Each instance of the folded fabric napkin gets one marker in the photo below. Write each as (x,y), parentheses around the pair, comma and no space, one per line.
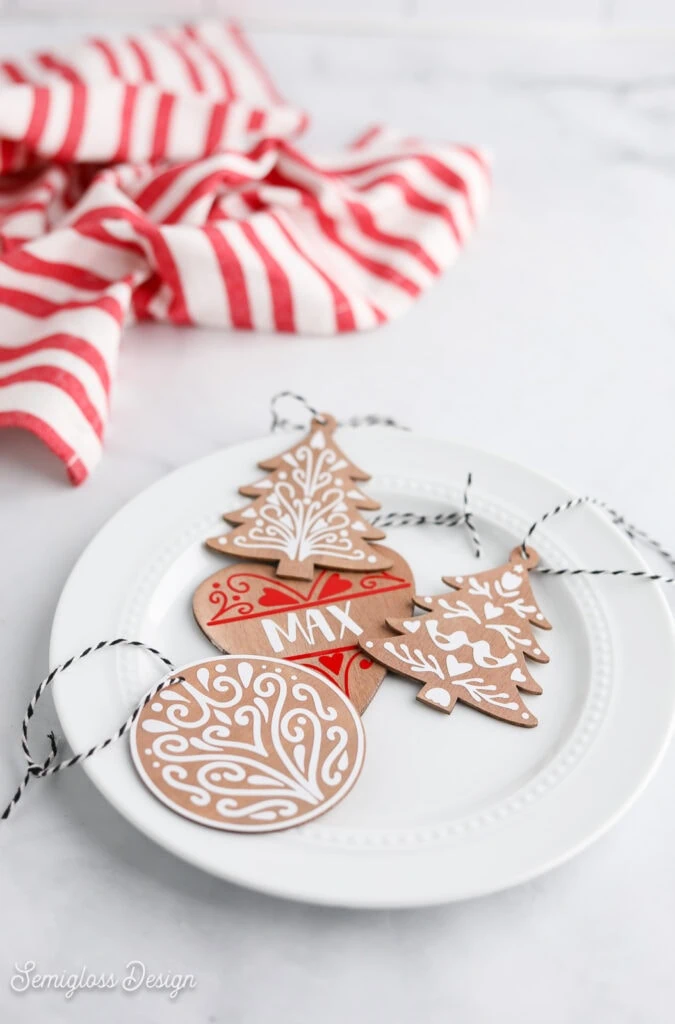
(154,177)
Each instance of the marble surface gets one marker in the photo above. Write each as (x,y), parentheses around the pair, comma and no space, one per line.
(550,342)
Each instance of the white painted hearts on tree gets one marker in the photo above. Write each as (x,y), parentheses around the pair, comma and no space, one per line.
(487,618)
(457,668)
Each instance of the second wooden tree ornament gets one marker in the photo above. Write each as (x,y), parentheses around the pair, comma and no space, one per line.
(473,642)
(307,512)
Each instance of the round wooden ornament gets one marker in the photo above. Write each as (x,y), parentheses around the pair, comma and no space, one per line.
(249,744)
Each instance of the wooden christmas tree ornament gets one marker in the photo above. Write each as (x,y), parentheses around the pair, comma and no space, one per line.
(307,512)
(473,642)
(246,608)
(249,744)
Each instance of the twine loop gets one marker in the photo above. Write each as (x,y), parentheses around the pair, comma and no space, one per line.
(40,769)
(281,423)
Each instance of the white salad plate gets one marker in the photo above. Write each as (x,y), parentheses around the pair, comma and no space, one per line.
(447,806)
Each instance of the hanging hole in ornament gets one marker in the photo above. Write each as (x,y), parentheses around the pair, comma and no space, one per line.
(324,419)
(525,556)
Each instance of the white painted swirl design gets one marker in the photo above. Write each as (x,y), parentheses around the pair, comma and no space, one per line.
(308,511)
(249,744)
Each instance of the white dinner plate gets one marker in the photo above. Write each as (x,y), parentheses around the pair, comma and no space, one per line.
(447,807)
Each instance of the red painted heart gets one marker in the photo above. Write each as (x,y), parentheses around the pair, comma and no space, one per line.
(333,662)
(272,598)
(335,584)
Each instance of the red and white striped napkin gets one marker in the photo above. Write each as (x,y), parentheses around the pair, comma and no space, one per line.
(155,177)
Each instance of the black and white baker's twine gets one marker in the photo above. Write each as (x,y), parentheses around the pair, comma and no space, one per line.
(39,770)
(389,520)
(280,423)
(394,519)
(631,531)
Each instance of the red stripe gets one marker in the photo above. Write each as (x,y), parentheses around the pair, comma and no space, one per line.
(372,165)
(8,154)
(8,243)
(282,299)
(77,471)
(252,200)
(108,54)
(37,176)
(222,70)
(303,123)
(233,278)
(344,315)
(13,72)
(366,137)
(377,268)
(50,63)
(163,256)
(7,212)
(256,120)
(217,122)
(416,200)
(229,178)
(162,122)
(449,177)
(365,220)
(368,227)
(432,164)
(38,116)
(476,155)
(97,231)
(144,295)
(67,343)
(252,58)
(78,108)
(260,148)
(158,185)
(126,123)
(78,277)
(37,306)
(143,60)
(74,188)
(64,380)
(190,67)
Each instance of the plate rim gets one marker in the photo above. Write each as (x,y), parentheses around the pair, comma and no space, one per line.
(400,899)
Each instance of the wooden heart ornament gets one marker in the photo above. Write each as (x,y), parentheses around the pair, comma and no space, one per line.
(249,744)
(247,608)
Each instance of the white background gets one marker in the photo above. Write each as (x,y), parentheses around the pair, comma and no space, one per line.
(386,15)
(551,342)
